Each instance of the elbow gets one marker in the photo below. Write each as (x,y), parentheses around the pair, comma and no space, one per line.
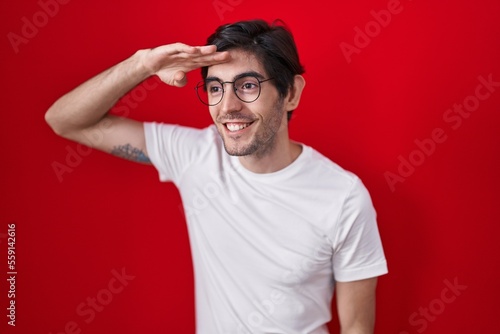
(55,122)
(51,120)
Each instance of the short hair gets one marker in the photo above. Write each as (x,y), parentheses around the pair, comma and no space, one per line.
(272,44)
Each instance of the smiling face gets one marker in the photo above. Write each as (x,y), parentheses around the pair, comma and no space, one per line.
(253,128)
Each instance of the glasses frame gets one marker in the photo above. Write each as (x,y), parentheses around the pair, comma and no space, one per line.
(202,85)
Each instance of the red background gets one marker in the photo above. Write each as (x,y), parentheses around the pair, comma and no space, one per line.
(439,227)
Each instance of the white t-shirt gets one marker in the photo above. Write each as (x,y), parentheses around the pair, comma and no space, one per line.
(266,247)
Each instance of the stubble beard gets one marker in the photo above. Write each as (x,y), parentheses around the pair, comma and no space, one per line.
(263,141)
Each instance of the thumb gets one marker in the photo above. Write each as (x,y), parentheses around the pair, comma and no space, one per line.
(180,79)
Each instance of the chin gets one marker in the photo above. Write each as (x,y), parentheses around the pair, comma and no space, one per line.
(240,151)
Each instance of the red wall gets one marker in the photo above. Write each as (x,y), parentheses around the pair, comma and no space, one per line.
(383,98)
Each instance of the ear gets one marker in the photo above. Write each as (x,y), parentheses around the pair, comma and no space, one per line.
(293,98)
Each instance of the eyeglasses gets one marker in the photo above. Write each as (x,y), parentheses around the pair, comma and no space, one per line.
(247,89)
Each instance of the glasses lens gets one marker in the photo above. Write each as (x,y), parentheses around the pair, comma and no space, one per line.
(209,92)
(247,88)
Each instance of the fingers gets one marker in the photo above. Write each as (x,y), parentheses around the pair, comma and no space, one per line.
(221,57)
(181,48)
(205,55)
(198,59)
(202,53)
(207,49)
(212,59)
(172,62)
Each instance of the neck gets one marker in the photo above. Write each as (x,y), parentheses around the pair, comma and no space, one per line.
(276,156)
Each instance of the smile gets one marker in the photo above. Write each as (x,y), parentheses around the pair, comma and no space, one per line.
(233,127)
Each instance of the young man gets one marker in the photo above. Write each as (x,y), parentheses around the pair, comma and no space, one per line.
(283,226)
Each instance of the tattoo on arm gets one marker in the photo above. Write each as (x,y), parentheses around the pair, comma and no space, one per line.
(131,153)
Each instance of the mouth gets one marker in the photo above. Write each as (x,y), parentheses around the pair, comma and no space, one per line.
(237,127)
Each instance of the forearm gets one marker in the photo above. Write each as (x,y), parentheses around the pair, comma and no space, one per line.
(88,103)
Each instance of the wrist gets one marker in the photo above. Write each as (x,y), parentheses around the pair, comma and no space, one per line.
(140,64)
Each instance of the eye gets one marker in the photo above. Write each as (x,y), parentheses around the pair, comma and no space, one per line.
(214,88)
(247,84)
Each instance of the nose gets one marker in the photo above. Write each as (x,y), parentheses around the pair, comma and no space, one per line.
(230,102)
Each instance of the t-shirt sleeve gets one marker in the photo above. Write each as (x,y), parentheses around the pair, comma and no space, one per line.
(173,148)
(357,247)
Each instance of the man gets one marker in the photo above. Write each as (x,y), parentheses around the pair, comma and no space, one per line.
(281,226)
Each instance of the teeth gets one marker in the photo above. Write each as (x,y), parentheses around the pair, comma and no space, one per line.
(236,126)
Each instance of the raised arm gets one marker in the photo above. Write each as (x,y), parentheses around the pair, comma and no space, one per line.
(82,114)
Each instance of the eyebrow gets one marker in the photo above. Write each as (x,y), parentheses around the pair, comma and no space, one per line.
(239,76)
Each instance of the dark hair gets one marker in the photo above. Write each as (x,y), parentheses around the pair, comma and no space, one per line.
(272,44)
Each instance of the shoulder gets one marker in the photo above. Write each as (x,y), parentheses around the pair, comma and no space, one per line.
(342,191)
(173,149)
(174,130)
(328,173)
(327,191)
(172,137)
